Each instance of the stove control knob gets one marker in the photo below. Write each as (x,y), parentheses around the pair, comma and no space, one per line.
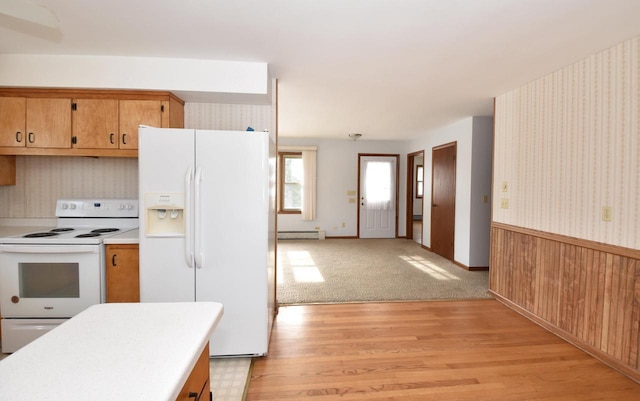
(121,206)
(129,206)
(72,206)
(65,206)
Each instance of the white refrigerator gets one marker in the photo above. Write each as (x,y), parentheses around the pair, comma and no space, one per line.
(207,228)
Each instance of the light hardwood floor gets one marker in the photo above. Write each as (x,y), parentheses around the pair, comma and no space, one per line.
(451,350)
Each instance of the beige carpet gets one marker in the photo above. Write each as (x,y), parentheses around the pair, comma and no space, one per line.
(356,270)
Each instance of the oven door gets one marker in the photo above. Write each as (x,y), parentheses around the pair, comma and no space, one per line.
(49,280)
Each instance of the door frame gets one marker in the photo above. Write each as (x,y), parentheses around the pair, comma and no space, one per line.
(411,192)
(455,166)
(397,156)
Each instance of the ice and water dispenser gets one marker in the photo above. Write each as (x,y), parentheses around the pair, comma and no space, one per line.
(164,215)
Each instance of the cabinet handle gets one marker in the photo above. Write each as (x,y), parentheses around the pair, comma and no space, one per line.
(31,137)
(124,139)
(113,261)
(111,138)
(18,136)
(193,395)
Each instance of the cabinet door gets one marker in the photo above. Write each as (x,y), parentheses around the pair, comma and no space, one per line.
(197,386)
(123,273)
(134,113)
(48,123)
(12,121)
(95,123)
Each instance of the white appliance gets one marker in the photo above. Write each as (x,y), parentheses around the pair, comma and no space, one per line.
(49,276)
(207,228)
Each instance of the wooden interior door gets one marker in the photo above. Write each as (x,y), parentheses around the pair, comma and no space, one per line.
(443,200)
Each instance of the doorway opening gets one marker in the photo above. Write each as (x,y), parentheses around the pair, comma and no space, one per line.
(415,193)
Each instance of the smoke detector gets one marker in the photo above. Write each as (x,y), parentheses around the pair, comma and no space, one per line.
(355,135)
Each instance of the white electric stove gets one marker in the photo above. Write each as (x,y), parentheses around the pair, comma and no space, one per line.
(50,275)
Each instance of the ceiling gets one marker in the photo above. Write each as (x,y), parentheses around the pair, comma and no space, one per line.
(386,69)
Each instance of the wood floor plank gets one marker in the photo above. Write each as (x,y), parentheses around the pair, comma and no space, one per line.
(448,350)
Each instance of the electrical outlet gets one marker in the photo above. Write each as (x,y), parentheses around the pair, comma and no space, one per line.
(505,186)
(344,225)
(485,198)
(607,213)
(504,203)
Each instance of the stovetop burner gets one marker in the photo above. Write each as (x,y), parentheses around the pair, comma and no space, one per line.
(88,235)
(40,235)
(61,230)
(105,230)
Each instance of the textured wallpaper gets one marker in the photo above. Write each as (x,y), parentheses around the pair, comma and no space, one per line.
(41,180)
(568,145)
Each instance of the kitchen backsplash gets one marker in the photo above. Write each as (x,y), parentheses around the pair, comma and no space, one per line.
(41,180)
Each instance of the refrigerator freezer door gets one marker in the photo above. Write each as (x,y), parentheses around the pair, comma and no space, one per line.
(234,216)
(164,160)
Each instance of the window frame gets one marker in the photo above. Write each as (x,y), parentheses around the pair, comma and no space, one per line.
(419,180)
(281,183)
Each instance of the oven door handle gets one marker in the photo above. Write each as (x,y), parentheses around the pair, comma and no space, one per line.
(49,249)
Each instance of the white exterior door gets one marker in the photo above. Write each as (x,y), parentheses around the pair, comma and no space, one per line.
(378,196)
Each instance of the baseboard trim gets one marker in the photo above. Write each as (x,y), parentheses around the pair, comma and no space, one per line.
(341,237)
(570,338)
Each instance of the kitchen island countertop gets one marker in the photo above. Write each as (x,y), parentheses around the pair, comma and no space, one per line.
(142,351)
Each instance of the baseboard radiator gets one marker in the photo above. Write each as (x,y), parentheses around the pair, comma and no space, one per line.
(301,234)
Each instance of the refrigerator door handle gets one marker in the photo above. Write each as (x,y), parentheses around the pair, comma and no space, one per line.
(188,246)
(198,218)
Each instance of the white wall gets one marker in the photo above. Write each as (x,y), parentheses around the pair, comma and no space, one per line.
(568,145)
(471,217)
(480,201)
(183,76)
(337,173)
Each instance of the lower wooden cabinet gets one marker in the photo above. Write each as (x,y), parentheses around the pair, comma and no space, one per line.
(123,273)
(197,386)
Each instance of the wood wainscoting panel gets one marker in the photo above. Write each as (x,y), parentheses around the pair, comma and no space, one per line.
(589,292)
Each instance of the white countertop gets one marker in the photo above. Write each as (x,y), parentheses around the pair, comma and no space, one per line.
(14,228)
(110,352)
(129,237)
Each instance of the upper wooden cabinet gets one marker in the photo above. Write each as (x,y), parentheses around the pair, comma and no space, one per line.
(134,113)
(113,124)
(35,123)
(48,123)
(13,121)
(68,122)
(95,123)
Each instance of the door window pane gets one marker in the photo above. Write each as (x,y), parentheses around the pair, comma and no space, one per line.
(49,280)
